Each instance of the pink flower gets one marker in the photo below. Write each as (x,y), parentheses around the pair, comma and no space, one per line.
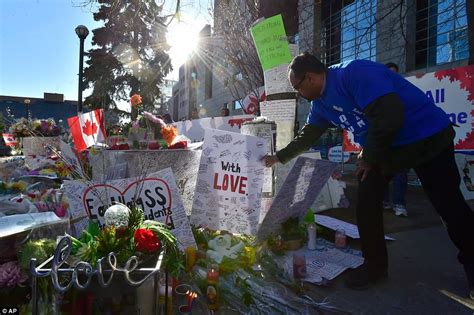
(11,275)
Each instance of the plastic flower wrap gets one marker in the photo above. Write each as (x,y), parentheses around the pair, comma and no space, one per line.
(11,275)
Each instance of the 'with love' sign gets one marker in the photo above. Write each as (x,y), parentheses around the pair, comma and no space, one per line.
(156,194)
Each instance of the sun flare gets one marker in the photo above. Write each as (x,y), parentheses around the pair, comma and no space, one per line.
(183,40)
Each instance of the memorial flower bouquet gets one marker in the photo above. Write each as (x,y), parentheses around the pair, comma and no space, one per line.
(126,234)
(21,128)
(38,127)
(45,128)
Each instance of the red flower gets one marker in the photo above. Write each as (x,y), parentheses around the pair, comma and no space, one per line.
(135,100)
(146,241)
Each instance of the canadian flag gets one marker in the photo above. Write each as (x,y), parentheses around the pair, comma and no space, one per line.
(250,102)
(10,140)
(87,129)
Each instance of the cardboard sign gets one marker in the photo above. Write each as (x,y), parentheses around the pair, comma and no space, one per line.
(301,187)
(183,163)
(229,185)
(157,194)
(270,41)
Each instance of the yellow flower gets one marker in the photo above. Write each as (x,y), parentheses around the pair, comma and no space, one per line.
(250,255)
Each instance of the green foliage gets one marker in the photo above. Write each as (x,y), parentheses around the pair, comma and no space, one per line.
(174,259)
(129,54)
(135,218)
(110,240)
(291,230)
(309,216)
(40,249)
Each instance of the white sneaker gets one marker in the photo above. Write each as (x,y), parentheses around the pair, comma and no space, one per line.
(400,210)
(387,205)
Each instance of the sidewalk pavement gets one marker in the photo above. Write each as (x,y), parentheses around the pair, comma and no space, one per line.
(424,274)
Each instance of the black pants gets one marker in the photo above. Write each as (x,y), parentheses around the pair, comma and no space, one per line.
(440,179)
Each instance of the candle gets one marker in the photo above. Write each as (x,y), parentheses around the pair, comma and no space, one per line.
(213,273)
(340,239)
(311,236)
(299,266)
(190,257)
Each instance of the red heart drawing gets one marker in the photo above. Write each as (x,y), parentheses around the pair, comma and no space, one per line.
(93,190)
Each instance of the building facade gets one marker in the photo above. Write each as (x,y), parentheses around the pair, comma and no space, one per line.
(50,106)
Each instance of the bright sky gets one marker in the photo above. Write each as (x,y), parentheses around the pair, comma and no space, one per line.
(39,49)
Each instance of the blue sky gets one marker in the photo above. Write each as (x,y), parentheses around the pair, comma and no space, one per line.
(39,49)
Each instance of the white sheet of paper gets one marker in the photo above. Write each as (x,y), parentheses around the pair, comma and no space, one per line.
(327,263)
(276,80)
(335,224)
(267,131)
(229,184)
(279,111)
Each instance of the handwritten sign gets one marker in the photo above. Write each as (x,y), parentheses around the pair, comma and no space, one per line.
(156,194)
(301,187)
(267,131)
(229,185)
(283,113)
(183,163)
(270,41)
(276,80)
(281,110)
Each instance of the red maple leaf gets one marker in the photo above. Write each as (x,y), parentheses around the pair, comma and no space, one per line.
(89,128)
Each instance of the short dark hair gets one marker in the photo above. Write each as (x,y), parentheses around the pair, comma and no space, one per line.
(304,63)
(391,65)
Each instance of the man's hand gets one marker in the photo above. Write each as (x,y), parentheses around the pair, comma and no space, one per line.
(270,160)
(363,169)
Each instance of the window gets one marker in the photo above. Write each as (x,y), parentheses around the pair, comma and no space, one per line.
(237,104)
(441,32)
(358,30)
(349,31)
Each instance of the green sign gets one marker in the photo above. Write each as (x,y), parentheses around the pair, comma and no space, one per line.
(270,40)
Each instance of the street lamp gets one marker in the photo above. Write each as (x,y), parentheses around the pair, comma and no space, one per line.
(82,33)
(27,105)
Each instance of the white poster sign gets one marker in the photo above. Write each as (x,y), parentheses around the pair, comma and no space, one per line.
(229,185)
(194,129)
(279,111)
(70,157)
(157,194)
(465,165)
(276,80)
